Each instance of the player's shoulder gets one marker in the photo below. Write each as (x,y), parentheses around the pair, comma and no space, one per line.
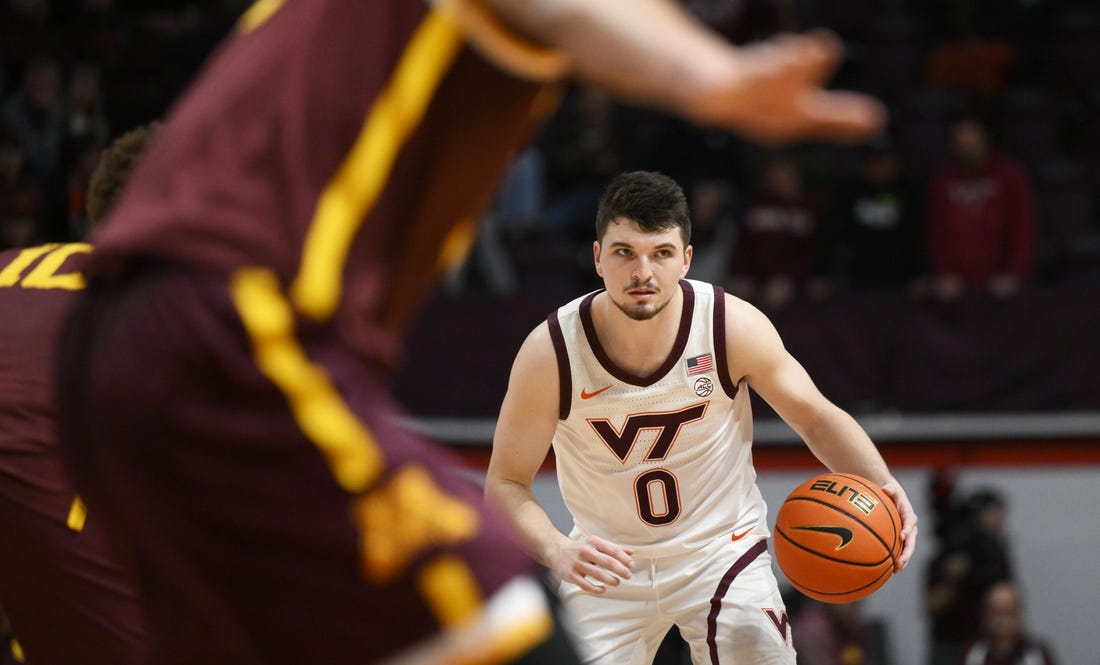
(537,359)
(739,310)
(745,324)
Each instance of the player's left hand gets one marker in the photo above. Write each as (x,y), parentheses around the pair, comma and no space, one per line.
(908,522)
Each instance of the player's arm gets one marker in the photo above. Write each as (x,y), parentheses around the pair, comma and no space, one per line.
(525,428)
(830,432)
(655,52)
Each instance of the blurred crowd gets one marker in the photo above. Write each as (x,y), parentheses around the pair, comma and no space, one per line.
(73,73)
(985,180)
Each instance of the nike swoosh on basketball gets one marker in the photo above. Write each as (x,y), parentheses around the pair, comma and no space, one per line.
(844,532)
(739,536)
(589,395)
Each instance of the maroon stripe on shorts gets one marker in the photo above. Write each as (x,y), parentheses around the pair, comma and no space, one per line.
(724,586)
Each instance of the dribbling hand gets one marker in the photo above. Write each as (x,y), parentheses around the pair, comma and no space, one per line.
(908,522)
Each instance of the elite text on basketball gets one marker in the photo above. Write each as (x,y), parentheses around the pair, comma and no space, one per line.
(864,502)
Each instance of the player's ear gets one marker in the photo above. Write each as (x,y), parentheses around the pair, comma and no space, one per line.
(596,257)
(689,251)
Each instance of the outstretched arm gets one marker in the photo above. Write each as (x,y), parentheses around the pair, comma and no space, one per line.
(524,431)
(654,52)
(830,432)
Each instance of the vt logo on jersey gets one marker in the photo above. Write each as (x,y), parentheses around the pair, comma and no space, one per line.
(656,491)
(667,424)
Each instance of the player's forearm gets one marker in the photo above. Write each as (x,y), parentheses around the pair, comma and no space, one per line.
(843,446)
(540,536)
(647,50)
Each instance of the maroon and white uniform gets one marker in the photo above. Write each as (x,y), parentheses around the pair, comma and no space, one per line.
(662,464)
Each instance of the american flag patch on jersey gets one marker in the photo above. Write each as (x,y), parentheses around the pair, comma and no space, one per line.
(700,364)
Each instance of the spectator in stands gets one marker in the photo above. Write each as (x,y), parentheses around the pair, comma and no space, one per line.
(837,634)
(710,203)
(973,556)
(581,148)
(778,245)
(35,118)
(12,162)
(877,232)
(26,29)
(85,118)
(982,225)
(20,217)
(1003,639)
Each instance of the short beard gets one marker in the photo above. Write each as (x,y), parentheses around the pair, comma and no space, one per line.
(641,311)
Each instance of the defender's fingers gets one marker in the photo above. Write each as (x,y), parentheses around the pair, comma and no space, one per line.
(841,116)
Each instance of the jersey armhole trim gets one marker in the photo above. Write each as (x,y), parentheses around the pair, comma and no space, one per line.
(721,358)
(565,376)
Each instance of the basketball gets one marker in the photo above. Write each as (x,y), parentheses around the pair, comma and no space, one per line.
(836,537)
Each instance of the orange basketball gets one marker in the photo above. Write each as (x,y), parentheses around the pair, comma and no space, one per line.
(836,537)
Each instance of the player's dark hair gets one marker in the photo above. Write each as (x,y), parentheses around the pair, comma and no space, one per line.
(652,200)
(114,167)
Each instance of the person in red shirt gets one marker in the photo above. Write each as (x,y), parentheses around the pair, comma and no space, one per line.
(982,229)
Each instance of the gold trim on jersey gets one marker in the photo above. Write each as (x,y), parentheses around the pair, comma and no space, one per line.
(257,14)
(499,45)
(347,445)
(78,515)
(351,193)
(449,587)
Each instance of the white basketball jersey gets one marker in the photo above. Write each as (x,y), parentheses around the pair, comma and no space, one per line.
(661,464)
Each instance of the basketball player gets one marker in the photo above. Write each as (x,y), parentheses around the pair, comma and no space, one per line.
(68,596)
(651,428)
(224,383)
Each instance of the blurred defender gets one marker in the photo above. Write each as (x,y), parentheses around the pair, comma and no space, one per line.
(69,597)
(224,383)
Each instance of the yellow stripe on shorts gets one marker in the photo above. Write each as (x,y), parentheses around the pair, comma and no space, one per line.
(320,411)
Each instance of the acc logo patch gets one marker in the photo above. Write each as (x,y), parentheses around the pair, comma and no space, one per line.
(703,386)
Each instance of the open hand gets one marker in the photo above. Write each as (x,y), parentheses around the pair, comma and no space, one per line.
(592,563)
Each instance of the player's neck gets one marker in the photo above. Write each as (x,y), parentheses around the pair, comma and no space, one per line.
(639,347)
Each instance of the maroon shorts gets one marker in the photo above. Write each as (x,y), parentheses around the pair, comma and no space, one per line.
(66,597)
(186,437)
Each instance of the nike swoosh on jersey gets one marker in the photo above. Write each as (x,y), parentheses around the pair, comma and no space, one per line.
(843,532)
(589,395)
(739,536)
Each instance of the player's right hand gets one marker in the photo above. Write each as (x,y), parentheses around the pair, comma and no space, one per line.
(592,563)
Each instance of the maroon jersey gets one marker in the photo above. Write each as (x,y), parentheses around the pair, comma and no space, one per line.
(37,287)
(68,597)
(337,143)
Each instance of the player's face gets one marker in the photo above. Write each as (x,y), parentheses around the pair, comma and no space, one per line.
(640,269)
